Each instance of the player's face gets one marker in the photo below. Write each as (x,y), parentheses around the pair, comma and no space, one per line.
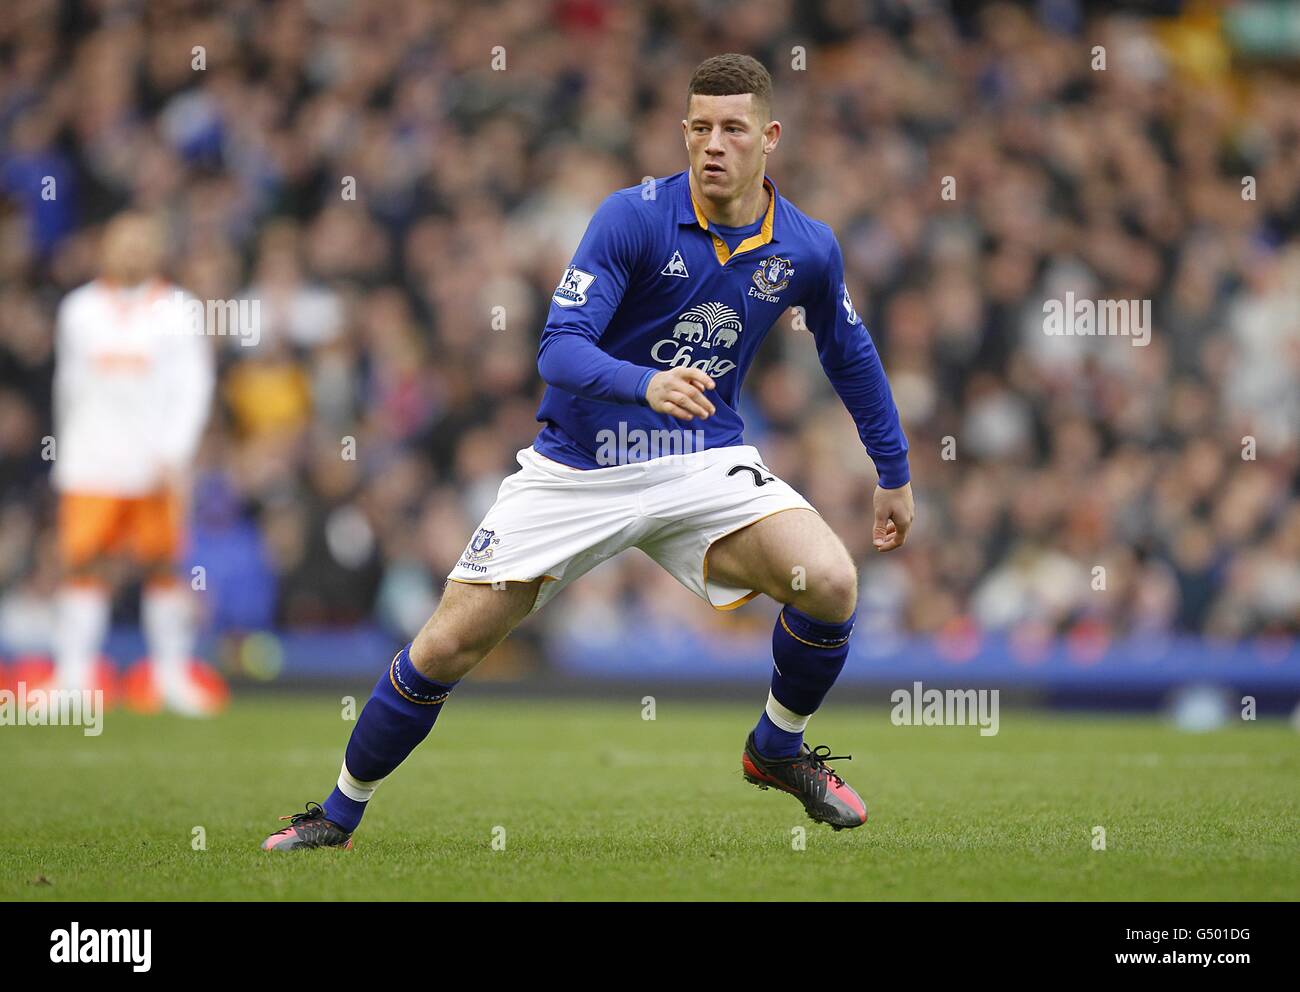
(728,141)
(131,249)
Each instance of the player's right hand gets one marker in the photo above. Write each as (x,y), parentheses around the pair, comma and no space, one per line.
(894,511)
(680,391)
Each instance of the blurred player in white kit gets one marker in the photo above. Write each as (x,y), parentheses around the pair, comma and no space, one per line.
(133,385)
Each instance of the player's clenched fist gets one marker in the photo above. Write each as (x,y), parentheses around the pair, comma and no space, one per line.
(893,512)
(680,391)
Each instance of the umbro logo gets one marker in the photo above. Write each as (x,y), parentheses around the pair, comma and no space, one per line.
(676,267)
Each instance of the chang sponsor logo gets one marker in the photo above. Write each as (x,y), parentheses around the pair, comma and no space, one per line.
(707,327)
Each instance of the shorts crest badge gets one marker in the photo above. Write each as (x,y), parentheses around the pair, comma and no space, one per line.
(482,545)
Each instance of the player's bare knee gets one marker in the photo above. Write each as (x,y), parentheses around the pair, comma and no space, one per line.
(444,653)
(469,622)
(831,593)
(438,651)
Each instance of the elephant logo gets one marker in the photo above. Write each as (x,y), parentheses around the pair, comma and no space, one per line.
(692,330)
(710,324)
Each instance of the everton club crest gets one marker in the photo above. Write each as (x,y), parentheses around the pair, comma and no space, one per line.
(482,544)
(772,275)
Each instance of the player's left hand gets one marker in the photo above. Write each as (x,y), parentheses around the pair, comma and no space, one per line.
(894,512)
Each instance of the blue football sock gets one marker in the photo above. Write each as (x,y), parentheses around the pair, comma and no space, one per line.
(772,741)
(401,711)
(808,655)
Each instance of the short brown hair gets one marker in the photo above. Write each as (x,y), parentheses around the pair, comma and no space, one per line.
(724,75)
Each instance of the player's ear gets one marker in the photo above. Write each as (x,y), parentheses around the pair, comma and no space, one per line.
(771,136)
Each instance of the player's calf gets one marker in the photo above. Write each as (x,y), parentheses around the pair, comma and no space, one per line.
(796,559)
(406,702)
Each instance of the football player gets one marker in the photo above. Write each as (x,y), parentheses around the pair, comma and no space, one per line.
(651,330)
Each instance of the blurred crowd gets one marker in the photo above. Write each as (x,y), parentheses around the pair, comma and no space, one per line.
(973,166)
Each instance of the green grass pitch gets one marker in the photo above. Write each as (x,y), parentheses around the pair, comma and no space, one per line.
(597,803)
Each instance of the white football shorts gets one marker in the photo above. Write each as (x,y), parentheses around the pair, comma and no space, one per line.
(560,522)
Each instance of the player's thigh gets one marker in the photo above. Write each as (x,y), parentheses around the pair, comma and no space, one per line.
(555,522)
(90,531)
(471,619)
(154,532)
(792,556)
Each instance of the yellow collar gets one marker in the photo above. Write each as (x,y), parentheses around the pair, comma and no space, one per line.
(764,235)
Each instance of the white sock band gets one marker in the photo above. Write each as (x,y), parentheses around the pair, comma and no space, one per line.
(787,719)
(81,625)
(167,617)
(355,789)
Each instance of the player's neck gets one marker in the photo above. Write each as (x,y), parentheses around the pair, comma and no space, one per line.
(738,211)
(120,283)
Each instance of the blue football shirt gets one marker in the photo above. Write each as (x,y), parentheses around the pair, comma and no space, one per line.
(652,286)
